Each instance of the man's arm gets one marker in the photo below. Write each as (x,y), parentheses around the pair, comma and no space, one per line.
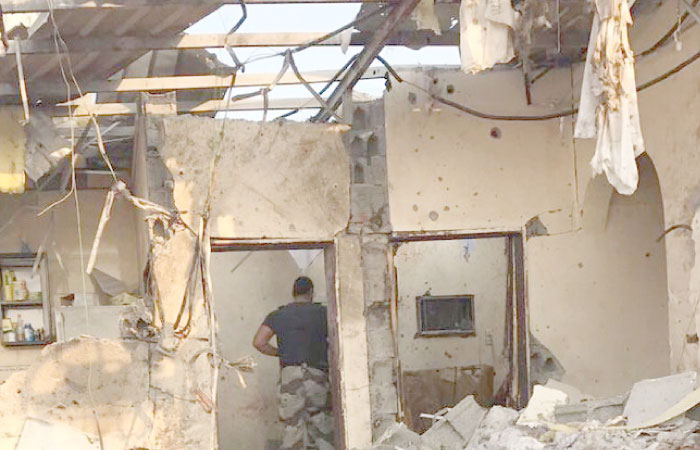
(261,341)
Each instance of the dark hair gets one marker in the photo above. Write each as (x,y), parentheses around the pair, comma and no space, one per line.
(302,285)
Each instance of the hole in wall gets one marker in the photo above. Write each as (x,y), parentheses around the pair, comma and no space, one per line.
(495,133)
(450,89)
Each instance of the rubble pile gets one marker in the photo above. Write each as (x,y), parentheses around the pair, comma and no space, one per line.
(657,414)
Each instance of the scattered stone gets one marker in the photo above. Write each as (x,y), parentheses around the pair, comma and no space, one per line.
(398,436)
(602,410)
(541,406)
(458,426)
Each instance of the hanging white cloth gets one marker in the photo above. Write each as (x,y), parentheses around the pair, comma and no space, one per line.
(608,106)
(486,37)
(425,18)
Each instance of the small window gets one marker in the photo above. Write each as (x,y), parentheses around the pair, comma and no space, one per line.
(446,315)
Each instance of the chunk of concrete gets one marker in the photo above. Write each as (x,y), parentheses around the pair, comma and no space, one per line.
(575,395)
(601,409)
(458,426)
(651,398)
(541,406)
(497,419)
(399,436)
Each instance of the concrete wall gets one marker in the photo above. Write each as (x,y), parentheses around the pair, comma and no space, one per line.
(248,286)
(472,174)
(598,297)
(57,228)
(456,267)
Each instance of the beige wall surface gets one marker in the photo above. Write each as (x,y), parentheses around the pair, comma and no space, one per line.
(272,180)
(448,170)
(456,267)
(57,229)
(248,286)
(598,297)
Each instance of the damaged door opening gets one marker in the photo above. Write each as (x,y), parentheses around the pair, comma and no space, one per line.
(254,279)
(461,322)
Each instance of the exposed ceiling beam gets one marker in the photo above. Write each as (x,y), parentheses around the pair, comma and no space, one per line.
(361,64)
(157,84)
(250,104)
(23,6)
(202,41)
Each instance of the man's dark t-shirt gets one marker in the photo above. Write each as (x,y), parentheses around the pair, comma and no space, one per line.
(302,332)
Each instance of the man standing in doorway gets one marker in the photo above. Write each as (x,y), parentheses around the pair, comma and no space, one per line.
(301,328)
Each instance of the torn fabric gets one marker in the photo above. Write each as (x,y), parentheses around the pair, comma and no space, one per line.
(486,37)
(425,18)
(608,106)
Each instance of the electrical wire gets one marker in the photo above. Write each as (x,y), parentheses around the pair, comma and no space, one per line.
(533,118)
(57,37)
(666,36)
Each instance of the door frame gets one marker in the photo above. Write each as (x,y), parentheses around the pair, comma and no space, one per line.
(232,245)
(517,320)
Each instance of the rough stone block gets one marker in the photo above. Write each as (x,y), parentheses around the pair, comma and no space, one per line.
(601,409)
(652,397)
(458,426)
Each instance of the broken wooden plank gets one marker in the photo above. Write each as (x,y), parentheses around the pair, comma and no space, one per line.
(251,104)
(156,84)
(361,64)
(203,41)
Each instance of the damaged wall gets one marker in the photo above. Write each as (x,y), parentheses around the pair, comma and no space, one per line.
(276,180)
(473,174)
(57,230)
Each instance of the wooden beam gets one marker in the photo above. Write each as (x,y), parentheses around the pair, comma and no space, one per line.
(251,104)
(203,41)
(361,64)
(24,6)
(158,84)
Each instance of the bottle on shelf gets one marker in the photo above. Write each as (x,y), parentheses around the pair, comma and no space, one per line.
(19,329)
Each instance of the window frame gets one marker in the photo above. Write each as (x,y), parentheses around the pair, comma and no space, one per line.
(420,301)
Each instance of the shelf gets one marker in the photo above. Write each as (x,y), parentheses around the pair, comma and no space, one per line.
(22,304)
(25,344)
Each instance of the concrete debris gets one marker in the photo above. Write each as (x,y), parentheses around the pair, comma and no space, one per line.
(650,398)
(541,406)
(399,437)
(454,429)
(575,395)
(601,410)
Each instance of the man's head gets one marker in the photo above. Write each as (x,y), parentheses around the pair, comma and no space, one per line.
(303,290)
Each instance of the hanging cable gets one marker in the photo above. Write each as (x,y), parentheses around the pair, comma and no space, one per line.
(555,115)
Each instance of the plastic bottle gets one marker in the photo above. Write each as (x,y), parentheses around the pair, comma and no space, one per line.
(29,333)
(19,328)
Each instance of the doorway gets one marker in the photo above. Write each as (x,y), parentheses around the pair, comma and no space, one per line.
(249,282)
(461,322)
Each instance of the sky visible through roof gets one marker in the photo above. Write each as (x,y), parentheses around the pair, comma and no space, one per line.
(291,18)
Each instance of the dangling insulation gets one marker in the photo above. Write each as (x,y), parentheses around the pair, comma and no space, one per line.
(486,37)
(608,105)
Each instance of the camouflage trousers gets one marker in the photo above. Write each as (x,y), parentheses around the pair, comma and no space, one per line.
(305,410)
